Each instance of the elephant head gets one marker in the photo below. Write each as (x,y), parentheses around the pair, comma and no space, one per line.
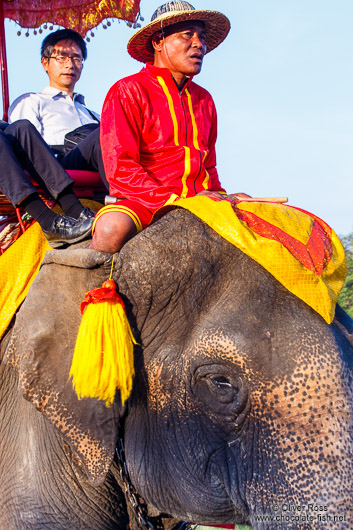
(242,400)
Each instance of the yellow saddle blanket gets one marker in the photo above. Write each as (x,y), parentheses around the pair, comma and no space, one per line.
(300,250)
(19,265)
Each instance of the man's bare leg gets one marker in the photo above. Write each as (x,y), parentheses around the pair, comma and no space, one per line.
(112,231)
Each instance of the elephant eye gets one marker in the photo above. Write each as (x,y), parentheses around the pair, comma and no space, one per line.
(221,381)
(220,389)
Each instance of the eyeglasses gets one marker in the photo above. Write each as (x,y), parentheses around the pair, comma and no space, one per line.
(62,59)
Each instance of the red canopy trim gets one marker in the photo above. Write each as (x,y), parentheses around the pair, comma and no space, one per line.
(79,15)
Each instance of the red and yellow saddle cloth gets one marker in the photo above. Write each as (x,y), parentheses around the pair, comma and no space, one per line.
(300,250)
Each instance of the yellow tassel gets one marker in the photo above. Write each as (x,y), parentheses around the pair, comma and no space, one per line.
(103,359)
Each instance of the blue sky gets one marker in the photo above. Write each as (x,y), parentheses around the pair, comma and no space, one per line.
(283,85)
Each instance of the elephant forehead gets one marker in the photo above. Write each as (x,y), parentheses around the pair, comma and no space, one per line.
(257,354)
(281,361)
(259,351)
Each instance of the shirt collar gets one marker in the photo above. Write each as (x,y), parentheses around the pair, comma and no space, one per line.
(54,92)
(155,71)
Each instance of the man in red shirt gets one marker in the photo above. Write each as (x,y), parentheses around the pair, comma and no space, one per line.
(158,128)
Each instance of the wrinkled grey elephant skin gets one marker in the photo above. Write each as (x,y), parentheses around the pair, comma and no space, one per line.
(241,406)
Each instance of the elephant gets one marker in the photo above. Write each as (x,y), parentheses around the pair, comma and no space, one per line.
(241,407)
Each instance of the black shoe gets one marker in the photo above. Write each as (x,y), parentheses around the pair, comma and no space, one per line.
(66,231)
(86,213)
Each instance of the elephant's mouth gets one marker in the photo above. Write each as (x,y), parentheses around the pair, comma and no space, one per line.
(145,514)
(213,501)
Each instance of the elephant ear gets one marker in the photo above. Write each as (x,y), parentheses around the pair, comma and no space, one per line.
(41,348)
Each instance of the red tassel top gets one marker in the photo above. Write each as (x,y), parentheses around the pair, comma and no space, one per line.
(105,293)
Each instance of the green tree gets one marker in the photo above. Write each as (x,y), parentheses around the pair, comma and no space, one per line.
(345,298)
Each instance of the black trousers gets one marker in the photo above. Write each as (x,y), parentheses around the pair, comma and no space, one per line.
(23,148)
(86,155)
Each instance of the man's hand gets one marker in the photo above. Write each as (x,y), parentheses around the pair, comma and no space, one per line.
(213,195)
(222,196)
(239,196)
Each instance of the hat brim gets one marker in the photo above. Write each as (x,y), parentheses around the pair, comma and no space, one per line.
(217,28)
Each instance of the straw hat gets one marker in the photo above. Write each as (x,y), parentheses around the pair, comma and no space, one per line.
(217,27)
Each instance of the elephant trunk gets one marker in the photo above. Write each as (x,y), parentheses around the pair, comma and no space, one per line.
(301,460)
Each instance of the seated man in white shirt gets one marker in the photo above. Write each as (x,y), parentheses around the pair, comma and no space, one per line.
(23,148)
(58,110)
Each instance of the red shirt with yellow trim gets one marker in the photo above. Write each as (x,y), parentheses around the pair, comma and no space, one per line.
(158,143)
